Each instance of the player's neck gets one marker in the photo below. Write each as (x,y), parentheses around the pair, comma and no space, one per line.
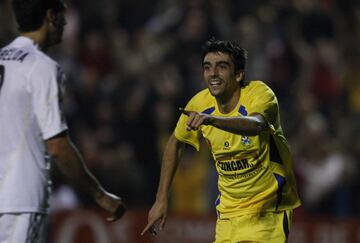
(227,104)
(38,37)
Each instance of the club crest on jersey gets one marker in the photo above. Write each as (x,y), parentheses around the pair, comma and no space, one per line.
(226,146)
(245,140)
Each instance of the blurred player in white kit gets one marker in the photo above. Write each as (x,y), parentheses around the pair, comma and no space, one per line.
(33,131)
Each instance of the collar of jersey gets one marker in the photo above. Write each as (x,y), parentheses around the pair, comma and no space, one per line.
(23,40)
(234,111)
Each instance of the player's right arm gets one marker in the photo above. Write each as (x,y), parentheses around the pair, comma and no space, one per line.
(171,158)
(70,163)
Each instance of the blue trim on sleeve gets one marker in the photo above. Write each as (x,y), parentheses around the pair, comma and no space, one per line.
(209,110)
(286,225)
(243,111)
(281,182)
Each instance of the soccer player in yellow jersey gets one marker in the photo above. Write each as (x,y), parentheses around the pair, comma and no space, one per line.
(241,123)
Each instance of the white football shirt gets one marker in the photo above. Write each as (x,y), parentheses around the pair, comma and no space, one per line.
(30,113)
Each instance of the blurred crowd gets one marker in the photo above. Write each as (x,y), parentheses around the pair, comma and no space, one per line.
(131,64)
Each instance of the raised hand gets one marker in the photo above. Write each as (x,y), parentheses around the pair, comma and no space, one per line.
(196,119)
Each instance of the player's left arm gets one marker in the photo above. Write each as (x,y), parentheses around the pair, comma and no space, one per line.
(250,125)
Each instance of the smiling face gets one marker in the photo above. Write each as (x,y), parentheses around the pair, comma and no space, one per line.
(220,76)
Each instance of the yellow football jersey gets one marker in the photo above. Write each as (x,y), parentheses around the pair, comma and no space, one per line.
(255,172)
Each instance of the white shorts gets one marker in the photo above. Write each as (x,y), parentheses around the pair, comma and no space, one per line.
(22,227)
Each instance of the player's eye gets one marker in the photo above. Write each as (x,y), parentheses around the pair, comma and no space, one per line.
(223,66)
(206,67)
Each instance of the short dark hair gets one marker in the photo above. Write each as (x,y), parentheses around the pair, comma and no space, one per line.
(238,54)
(30,14)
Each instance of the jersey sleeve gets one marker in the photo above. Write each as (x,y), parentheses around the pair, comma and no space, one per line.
(265,103)
(46,82)
(190,137)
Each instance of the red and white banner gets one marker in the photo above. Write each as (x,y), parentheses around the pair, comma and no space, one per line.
(90,226)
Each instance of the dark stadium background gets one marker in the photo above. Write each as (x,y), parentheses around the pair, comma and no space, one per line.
(131,64)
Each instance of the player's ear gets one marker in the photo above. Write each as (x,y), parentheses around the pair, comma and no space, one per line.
(50,15)
(239,76)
